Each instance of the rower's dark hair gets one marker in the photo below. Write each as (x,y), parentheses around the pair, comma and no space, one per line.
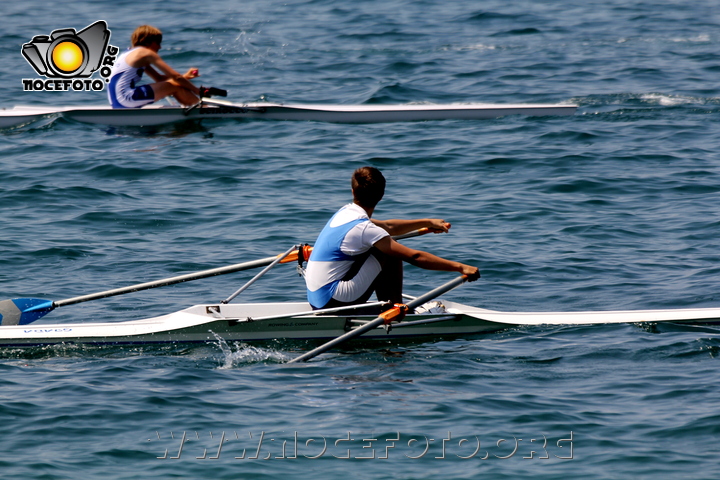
(368,186)
(144,35)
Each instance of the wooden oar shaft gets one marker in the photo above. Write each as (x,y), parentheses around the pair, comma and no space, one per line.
(379,320)
(168,281)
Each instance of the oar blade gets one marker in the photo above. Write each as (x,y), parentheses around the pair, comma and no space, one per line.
(21,311)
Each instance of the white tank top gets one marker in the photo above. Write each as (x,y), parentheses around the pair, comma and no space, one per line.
(123,81)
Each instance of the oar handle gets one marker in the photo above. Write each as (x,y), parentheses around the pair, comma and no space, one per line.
(414,233)
(385,317)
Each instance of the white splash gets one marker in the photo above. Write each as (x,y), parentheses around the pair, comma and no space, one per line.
(700,38)
(247,354)
(667,100)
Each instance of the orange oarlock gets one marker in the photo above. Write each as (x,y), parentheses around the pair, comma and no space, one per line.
(303,252)
(395,314)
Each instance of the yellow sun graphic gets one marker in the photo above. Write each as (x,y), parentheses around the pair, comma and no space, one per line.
(67,56)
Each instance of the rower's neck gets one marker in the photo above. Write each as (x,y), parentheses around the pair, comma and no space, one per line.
(369,211)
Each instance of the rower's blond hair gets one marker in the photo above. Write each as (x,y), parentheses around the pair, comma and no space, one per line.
(144,35)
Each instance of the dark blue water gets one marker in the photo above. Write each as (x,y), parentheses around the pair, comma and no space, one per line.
(613,208)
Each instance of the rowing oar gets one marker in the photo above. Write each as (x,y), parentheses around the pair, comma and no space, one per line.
(21,311)
(394,314)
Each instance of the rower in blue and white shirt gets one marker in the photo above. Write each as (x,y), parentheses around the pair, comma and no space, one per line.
(124,91)
(355,255)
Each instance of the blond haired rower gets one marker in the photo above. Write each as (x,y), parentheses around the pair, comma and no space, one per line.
(124,91)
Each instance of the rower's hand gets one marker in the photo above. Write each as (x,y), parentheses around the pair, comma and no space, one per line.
(192,73)
(472,272)
(438,225)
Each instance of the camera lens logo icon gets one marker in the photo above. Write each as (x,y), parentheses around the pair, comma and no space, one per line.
(67,53)
(68,57)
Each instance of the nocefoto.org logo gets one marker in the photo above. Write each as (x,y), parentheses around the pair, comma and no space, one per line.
(68,59)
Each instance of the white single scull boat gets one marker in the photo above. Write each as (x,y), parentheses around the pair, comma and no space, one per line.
(250,322)
(295,321)
(219,109)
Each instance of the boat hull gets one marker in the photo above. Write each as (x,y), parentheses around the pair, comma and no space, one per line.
(212,109)
(291,321)
(209,323)
(233,322)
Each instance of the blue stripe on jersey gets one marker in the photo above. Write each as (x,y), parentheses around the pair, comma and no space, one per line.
(327,249)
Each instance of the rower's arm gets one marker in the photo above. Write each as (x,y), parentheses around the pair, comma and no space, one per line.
(155,75)
(168,73)
(424,260)
(400,227)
